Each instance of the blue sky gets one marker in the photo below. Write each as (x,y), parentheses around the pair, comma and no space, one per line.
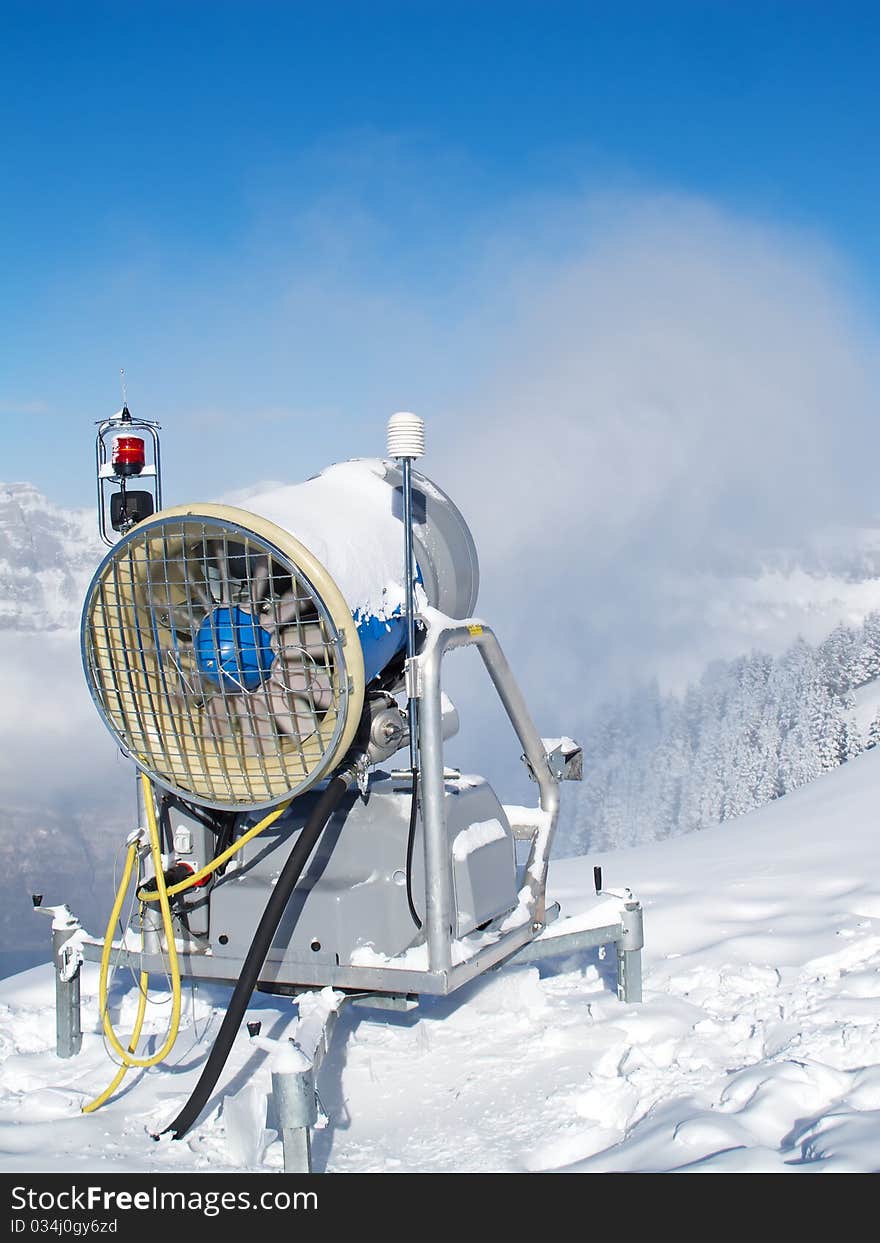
(287,220)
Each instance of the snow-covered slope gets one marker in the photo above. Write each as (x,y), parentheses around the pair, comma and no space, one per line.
(757,1047)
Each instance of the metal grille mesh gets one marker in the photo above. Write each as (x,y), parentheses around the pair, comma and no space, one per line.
(221,739)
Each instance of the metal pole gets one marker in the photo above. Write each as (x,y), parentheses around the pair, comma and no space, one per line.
(412,699)
(438,879)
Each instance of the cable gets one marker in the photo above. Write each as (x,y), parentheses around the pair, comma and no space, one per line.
(410,844)
(255,959)
(127,1055)
(152,895)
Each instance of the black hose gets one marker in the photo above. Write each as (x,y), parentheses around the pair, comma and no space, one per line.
(256,956)
(410,843)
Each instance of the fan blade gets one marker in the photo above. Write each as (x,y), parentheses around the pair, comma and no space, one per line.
(293,714)
(258,584)
(219,554)
(297,674)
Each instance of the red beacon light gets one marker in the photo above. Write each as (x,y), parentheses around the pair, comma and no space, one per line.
(122,458)
(127,456)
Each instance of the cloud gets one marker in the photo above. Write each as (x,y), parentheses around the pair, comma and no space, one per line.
(17,409)
(674,394)
(54,750)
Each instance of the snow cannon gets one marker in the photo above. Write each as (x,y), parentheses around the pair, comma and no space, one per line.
(263,664)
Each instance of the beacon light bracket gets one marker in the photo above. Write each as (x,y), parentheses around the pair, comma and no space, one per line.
(121,457)
(565,759)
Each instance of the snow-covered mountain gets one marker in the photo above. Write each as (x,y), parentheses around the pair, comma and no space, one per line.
(757,1047)
(47,556)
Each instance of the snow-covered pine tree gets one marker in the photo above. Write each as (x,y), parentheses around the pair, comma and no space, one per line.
(749,731)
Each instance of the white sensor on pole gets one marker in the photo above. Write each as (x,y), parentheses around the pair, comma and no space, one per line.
(406,435)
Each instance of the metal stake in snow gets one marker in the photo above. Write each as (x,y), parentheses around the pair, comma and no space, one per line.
(406,442)
(67,956)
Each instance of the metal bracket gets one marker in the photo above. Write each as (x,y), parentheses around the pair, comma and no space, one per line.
(565,759)
(627,936)
(103,468)
(413,678)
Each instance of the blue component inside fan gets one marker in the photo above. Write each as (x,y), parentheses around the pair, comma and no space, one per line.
(381,637)
(233,649)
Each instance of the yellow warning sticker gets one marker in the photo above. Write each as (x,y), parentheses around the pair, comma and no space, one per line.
(475,630)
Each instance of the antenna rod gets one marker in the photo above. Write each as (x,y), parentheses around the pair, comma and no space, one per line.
(406,441)
(410,602)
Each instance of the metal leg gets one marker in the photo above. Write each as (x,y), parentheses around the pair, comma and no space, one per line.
(629,975)
(295,1091)
(629,953)
(68,1024)
(297,1142)
(296,1107)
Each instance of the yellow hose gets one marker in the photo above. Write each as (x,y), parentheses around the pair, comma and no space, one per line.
(153,895)
(132,1045)
(126,1055)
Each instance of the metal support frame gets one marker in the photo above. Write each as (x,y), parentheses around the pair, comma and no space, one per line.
(444,635)
(295,1092)
(487,948)
(445,971)
(627,937)
(528,935)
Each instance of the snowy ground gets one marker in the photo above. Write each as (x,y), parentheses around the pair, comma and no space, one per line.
(757,1047)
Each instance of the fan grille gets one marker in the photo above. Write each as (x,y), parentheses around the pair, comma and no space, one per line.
(215,662)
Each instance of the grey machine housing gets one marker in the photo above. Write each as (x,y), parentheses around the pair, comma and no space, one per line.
(352,904)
